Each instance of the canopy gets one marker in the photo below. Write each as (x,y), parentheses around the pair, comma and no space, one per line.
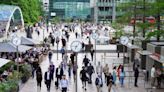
(28,41)
(3,61)
(9,47)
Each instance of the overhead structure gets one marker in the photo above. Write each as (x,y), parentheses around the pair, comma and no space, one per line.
(9,47)
(3,62)
(10,18)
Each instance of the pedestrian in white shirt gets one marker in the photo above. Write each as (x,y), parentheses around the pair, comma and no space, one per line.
(64,84)
(99,69)
(153,76)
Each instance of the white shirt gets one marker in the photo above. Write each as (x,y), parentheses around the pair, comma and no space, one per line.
(100,81)
(152,72)
(64,83)
(58,71)
(48,75)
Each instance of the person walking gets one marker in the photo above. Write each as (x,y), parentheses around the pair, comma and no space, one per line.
(99,69)
(85,61)
(75,67)
(90,71)
(39,77)
(50,55)
(136,74)
(76,34)
(83,77)
(153,76)
(109,81)
(99,83)
(62,51)
(159,76)
(106,71)
(47,78)
(92,53)
(59,74)
(63,42)
(69,68)
(64,84)
(114,75)
(122,76)
(52,69)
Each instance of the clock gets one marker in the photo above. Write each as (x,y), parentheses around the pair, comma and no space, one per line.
(16,41)
(95,36)
(76,46)
(124,40)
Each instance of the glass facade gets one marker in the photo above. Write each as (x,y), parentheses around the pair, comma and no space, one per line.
(72,8)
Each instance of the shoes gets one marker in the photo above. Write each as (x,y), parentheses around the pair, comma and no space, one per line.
(85,89)
(136,85)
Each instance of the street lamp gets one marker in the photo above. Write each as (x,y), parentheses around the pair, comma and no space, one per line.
(17,41)
(124,41)
(76,46)
(95,37)
(57,34)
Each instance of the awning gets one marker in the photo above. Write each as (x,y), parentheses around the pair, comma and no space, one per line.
(28,41)
(157,57)
(3,61)
(144,52)
(9,47)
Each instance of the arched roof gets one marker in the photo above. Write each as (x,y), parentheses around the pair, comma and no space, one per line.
(6,14)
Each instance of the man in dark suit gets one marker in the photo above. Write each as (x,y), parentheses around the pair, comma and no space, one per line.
(136,74)
(47,78)
(59,74)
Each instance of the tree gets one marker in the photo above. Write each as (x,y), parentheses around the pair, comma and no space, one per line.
(138,10)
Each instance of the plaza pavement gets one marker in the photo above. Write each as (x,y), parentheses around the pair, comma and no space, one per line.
(110,58)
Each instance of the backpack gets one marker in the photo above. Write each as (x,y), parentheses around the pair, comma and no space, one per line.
(62,50)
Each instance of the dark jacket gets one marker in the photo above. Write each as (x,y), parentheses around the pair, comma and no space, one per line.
(61,72)
(45,76)
(38,75)
(109,79)
(90,69)
(136,72)
(83,75)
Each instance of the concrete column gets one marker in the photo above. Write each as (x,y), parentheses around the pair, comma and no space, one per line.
(113,10)
(95,12)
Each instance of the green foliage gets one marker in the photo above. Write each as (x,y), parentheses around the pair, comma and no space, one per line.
(56,20)
(11,84)
(31,9)
(155,34)
(5,67)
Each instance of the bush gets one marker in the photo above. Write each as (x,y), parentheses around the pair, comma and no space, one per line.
(7,66)
(11,85)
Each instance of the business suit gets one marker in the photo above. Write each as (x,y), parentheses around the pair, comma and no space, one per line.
(47,78)
(59,74)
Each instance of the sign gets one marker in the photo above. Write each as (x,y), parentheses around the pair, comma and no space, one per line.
(53,14)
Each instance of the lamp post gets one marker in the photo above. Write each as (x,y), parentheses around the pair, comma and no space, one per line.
(17,41)
(95,37)
(57,34)
(124,41)
(76,46)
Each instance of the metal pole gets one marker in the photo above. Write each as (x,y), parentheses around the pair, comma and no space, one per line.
(57,49)
(123,54)
(95,51)
(17,65)
(76,73)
